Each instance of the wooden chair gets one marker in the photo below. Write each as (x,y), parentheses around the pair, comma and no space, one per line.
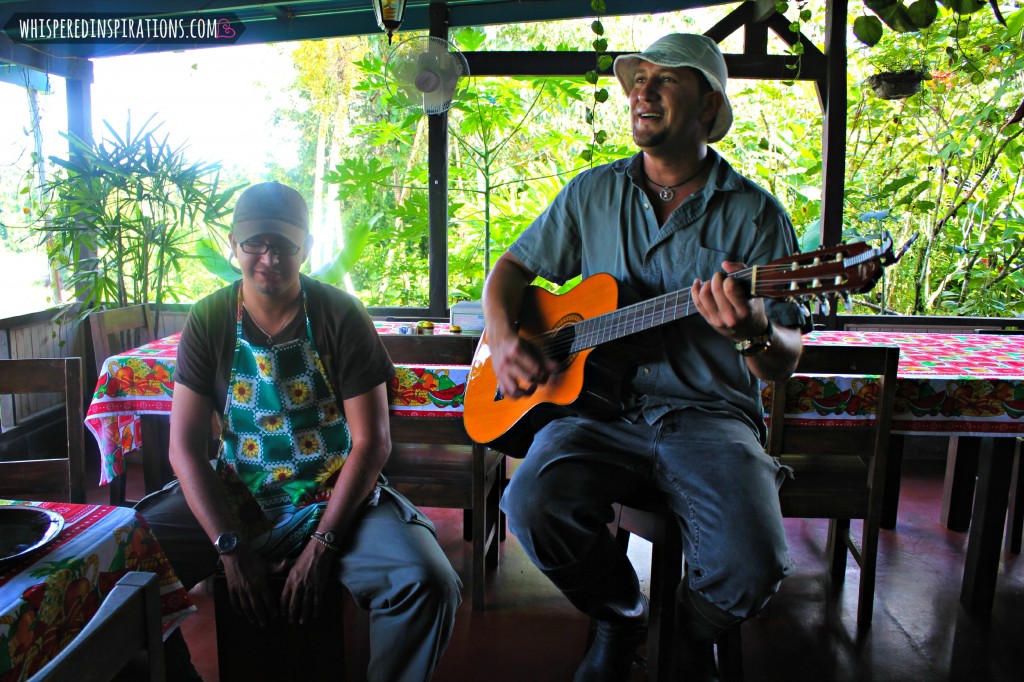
(55,477)
(112,332)
(435,464)
(314,651)
(117,330)
(839,474)
(127,623)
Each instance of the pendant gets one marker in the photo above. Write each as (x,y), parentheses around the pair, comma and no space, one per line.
(666,194)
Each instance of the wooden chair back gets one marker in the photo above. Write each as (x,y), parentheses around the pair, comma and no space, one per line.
(840,471)
(47,475)
(435,463)
(434,350)
(127,622)
(117,330)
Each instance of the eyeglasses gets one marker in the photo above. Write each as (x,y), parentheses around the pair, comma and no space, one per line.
(280,248)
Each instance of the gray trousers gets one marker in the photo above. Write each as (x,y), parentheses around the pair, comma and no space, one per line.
(390,562)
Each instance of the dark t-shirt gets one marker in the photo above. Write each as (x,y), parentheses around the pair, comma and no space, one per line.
(348,344)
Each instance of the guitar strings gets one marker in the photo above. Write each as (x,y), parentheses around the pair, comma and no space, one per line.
(641,316)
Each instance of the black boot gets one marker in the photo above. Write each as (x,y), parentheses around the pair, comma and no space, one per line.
(605,587)
(613,647)
(698,625)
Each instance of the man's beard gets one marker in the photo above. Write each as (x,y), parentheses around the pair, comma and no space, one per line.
(649,138)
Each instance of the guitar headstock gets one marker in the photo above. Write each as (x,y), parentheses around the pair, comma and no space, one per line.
(854,267)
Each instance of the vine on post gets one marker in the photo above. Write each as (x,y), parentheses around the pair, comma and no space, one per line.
(603,62)
(797,49)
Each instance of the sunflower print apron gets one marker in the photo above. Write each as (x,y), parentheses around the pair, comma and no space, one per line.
(284,442)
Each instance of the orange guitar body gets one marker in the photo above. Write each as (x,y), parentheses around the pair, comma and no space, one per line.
(508,424)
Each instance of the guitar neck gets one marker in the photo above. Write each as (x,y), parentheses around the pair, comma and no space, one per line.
(835,269)
(633,319)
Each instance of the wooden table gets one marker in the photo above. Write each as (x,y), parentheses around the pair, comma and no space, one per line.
(48,595)
(969,387)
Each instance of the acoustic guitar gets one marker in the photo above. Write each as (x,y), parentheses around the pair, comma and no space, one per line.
(571,326)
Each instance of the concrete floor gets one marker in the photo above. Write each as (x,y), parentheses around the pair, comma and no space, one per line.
(919,632)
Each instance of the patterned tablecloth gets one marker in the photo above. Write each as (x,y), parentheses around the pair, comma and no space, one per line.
(949,384)
(48,595)
(141,381)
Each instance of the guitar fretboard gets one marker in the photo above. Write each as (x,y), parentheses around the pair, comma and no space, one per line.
(638,317)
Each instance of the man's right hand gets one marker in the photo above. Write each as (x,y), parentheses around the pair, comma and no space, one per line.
(519,366)
(247,573)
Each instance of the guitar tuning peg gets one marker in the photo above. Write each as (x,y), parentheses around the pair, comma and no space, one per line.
(847,303)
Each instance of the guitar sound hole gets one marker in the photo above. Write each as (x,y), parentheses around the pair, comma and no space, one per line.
(559,346)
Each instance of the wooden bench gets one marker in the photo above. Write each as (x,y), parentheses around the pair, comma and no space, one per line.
(435,464)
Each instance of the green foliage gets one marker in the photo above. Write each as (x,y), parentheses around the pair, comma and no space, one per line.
(903,18)
(943,163)
(513,143)
(124,215)
(599,93)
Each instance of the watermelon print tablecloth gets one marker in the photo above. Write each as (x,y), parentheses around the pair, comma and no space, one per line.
(137,382)
(48,595)
(949,384)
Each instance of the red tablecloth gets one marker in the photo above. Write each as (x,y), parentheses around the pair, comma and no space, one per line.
(48,595)
(949,384)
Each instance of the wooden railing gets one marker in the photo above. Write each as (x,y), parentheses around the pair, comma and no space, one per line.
(43,334)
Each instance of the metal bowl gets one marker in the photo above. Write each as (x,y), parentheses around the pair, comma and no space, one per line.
(24,529)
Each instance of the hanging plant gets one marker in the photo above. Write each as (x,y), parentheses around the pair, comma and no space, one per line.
(898,84)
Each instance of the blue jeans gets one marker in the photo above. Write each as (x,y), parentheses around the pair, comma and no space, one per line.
(710,469)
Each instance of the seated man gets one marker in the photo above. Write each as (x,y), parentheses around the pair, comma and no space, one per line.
(671,218)
(297,371)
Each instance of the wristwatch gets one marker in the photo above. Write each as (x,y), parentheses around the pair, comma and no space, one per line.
(328,539)
(227,542)
(757,344)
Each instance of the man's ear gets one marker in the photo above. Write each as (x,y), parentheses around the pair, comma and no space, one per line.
(713,102)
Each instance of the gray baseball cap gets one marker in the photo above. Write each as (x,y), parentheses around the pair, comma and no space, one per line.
(271,208)
(683,49)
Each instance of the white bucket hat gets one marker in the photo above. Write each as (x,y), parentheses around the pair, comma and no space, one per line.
(683,49)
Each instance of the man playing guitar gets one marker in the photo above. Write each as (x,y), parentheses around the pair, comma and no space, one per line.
(675,216)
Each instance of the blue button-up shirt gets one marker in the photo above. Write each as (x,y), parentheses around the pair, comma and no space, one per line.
(602,221)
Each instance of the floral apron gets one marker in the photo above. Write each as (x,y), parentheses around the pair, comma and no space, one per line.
(284,441)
